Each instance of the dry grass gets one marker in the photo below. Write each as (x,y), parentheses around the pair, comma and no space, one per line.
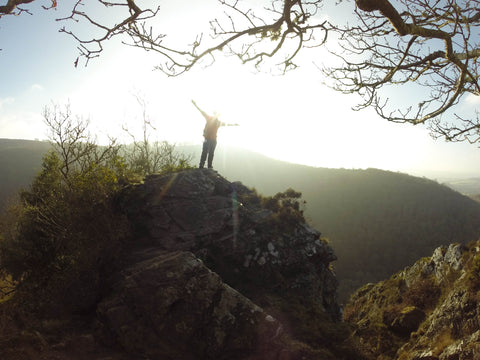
(7,288)
(443,340)
(423,294)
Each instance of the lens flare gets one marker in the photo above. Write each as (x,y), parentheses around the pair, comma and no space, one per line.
(235,221)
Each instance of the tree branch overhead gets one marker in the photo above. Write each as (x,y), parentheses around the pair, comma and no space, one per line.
(387,47)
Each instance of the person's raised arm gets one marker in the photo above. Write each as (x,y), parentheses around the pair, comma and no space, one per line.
(203,112)
(228,124)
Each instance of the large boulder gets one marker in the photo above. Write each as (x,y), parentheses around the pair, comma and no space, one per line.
(168,305)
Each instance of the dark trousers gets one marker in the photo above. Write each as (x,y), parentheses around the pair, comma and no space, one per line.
(207,151)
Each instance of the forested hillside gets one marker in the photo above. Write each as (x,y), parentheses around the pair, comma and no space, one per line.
(377,221)
(19,162)
(382,221)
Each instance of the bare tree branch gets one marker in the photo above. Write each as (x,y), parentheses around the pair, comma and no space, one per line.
(390,47)
(11,6)
(428,47)
(73,142)
(242,34)
(92,47)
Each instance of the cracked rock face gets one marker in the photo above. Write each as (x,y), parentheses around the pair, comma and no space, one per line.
(202,259)
(169,305)
(447,327)
(201,212)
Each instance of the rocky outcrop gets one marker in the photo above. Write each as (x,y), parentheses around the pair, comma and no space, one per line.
(430,310)
(168,305)
(207,260)
(218,221)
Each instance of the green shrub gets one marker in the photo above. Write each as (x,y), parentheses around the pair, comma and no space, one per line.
(287,208)
(66,234)
(423,294)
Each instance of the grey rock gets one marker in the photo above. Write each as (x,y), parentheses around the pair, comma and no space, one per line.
(202,257)
(446,260)
(169,305)
(201,212)
(448,328)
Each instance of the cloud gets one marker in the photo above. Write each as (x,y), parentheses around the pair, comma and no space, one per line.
(6,101)
(22,125)
(36,87)
(472,99)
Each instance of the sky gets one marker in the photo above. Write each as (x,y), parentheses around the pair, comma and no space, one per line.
(292,117)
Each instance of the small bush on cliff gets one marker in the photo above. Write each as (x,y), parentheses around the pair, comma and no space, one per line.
(473,275)
(423,294)
(287,208)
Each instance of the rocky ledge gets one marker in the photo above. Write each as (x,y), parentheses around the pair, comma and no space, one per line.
(429,311)
(211,277)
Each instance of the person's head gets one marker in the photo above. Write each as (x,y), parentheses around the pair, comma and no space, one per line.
(216,115)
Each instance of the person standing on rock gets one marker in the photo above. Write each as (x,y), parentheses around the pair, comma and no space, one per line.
(210,135)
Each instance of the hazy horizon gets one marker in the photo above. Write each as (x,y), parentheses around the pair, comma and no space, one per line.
(223,150)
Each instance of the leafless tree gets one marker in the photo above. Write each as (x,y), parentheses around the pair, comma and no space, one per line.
(145,156)
(426,46)
(73,142)
(141,155)
(403,44)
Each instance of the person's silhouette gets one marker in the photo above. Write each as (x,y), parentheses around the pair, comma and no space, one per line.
(210,134)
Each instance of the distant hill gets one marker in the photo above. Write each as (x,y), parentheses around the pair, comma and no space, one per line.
(378,221)
(469,187)
(19,162)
